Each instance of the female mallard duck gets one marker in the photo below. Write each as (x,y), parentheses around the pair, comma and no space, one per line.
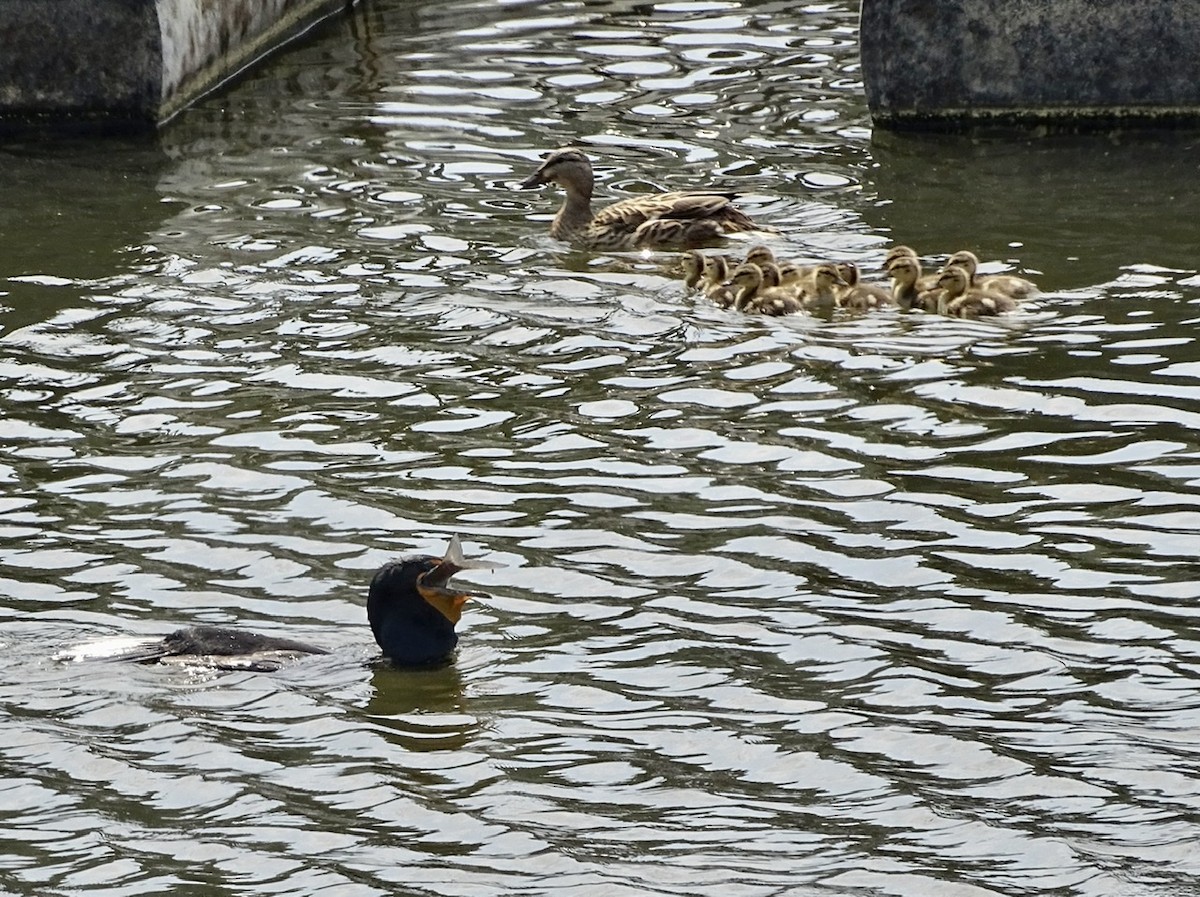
(858,296)
(819,293)
(655,221)
(997,284)
(906,292)
(411,607)
(961,300)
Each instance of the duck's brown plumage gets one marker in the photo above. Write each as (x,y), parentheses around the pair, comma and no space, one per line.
(660,220)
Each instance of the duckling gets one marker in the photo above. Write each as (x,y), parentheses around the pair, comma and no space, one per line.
(997,284)
(771,296)
(858,296)
(693,269)
(760,255)
(659,220)
(819,292)
(746,280)
(906,292)
(961,300)
(924,281)
(716,277)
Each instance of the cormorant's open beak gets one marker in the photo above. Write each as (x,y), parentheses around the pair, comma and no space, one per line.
(433,585)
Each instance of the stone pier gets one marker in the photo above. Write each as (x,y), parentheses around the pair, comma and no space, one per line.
(1073,64)
(132,64)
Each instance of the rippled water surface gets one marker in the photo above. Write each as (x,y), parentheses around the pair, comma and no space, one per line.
(877,605)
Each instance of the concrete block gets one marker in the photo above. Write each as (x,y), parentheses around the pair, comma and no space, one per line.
(1074,63)
(124,64)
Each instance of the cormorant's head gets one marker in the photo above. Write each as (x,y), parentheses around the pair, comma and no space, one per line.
(413,609)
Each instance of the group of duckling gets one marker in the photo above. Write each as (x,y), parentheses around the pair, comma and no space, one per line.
(762,284)
(955,289)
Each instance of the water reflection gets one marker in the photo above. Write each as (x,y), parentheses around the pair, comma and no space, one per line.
(886,604)
(1067,207)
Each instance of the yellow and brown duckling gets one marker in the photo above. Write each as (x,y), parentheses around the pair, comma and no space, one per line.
(693,269)
(820,290)
(757,290)
(899,252)
(715,282)
(760,255)
(906,291)
(924,281)
(654,221)
(745,281)
(1009,285)
(959,299)
(856,295)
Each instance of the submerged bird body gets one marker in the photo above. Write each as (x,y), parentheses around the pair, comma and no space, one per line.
(221,647)
(410,606)
(659,220)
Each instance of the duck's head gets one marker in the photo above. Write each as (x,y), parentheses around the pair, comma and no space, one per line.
(760,255)
(826,276)
(954,279)
(716,268)
(693,267)
(790,273)
(770,274)
(848,272)
(413,609)
(964,259)
(747,275)
(899,252)
(569,168)
(905,270)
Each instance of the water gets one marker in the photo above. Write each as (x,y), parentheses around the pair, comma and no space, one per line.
(874,606)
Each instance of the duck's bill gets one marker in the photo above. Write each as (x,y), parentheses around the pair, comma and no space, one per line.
(534,180)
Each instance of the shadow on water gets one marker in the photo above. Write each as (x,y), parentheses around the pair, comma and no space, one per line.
(69,207)
(422,710)
(1067,205)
